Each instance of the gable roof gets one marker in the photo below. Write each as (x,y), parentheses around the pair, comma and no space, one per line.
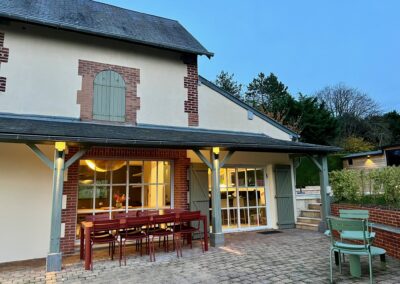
(247,107)
(90,17)
(25,129)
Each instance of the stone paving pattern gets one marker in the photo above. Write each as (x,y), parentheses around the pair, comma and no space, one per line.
(293,256)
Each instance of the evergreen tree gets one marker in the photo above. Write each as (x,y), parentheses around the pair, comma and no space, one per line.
(226,82)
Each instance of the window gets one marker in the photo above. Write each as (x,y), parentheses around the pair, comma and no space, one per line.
(107,186)
(243,200)
(393,157)
(109,96)
(350,161)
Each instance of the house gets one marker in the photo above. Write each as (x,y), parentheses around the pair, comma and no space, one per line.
(385,156)
(102,111)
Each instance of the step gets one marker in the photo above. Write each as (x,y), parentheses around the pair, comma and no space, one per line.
(311,213)
(314,206)
(306,226)
(308,220)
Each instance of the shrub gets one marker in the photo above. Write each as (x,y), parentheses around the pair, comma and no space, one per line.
(349,185)
(346,185)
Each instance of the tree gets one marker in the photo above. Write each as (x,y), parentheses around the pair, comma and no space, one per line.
(316,123)
(271,97)
(226,82)
(356,144)
(393,121)
(343,100)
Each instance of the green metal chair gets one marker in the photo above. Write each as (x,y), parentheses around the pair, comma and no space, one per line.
(360,215)
(340,225)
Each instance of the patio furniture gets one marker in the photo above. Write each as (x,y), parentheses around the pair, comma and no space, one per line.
(99,237)
(85,233)
(160,227)
(136,229)
(356,235)
(185,227)
(97,217)
(353,250)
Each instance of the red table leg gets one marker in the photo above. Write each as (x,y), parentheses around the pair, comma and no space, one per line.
(205,228)
(88,255)
(81,249)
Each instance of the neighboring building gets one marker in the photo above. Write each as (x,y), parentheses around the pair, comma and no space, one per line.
(97,102)
(386,156)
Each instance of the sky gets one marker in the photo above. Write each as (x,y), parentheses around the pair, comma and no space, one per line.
(308,44)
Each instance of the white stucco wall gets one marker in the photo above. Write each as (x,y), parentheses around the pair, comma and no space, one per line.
(219,113)
(25,194)
(42,74)
(263,160)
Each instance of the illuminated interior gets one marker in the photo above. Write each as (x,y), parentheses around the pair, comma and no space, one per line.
(107,186)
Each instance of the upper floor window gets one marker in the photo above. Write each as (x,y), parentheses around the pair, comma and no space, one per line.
(109,96)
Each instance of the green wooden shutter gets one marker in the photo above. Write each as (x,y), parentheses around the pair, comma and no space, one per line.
(109,96)
(284,197)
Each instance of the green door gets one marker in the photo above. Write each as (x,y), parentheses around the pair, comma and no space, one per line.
(199,199)
(284,197)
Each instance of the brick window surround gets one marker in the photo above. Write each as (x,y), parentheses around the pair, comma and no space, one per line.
(191,84)
(4,54)
(180,163)
(89,69)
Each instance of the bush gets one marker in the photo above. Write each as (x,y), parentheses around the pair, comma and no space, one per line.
(346,185)
(349,186)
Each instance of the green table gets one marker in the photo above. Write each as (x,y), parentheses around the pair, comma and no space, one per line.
(354,259)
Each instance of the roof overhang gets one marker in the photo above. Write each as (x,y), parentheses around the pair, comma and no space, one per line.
(16,129)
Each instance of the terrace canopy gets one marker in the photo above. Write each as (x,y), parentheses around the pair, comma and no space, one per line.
(62,132)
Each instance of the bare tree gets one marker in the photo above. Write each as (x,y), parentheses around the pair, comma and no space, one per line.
(342,100)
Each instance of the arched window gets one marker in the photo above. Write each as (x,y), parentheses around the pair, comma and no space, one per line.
(109,96)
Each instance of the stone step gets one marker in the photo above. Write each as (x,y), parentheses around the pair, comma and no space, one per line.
(307,226)
(308,220)
(314,206)
(311,213)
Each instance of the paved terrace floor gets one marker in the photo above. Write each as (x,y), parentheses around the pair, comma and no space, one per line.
(293,256)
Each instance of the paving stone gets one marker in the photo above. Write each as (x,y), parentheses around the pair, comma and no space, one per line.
(294,256)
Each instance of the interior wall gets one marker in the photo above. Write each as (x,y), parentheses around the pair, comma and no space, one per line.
(26,196)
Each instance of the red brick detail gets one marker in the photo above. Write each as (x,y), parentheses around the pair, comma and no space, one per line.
(180,161)
(390,241)
(4,54)
(191,84)
(88,70)
(68,215)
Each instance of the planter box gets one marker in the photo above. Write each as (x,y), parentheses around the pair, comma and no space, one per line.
(387,228)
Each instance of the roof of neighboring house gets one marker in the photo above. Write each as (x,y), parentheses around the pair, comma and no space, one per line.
(247,107)
(105,20)
(363,154)
(26,129)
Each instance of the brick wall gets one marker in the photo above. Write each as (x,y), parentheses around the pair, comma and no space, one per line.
(88,70)
(191,84)
(68,215)
(180,162)
(390,241)
(4,54)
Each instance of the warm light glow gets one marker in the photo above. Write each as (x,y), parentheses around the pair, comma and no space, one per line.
(369,163)
(92,165)
(102,166)
(215,150)
(60,146)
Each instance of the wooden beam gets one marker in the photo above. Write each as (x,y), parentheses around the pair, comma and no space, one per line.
(316,162)
(226,158)
(203,158)
(41,155)
(75,157)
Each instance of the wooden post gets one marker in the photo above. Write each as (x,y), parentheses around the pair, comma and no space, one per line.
(54,257)
(216,237)
(325,200)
